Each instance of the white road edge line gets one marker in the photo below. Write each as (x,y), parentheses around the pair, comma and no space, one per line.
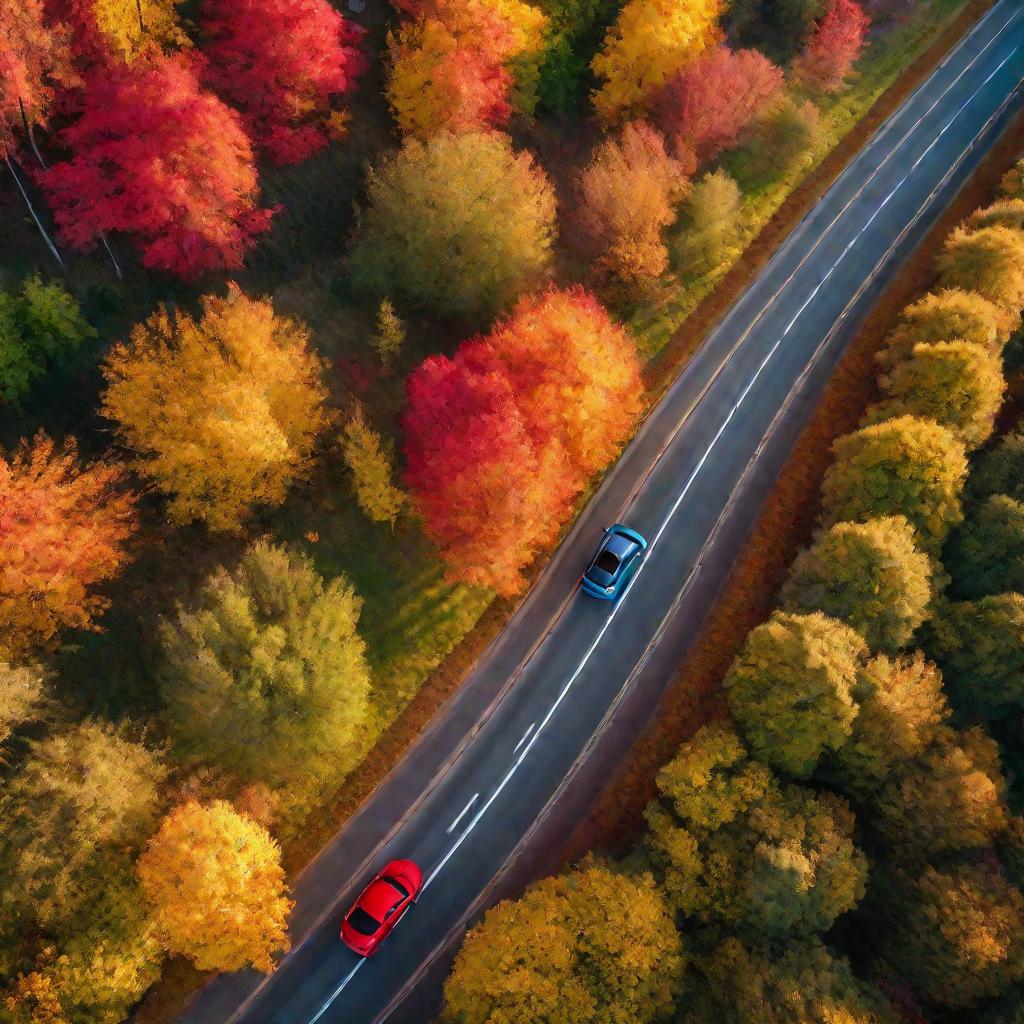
(675,506)
(472,800)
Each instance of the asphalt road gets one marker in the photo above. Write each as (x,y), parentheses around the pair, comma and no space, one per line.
(498,778)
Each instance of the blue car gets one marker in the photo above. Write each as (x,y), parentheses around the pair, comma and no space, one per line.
(616,562)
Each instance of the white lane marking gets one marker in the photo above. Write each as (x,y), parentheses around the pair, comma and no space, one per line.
(529,729)
(462,813)
(657,537)
(590,650)
(337,992)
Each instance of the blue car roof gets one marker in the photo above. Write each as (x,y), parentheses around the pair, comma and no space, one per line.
(620,545)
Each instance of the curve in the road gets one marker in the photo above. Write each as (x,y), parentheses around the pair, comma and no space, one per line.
(700,450)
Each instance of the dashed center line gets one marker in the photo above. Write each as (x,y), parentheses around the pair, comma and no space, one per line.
(472,800)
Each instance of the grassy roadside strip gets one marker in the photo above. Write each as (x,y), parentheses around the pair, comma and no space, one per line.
(180,980)
(848,119)
(776,213)
(785,524)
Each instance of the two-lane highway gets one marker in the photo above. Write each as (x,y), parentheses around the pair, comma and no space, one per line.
(516,753)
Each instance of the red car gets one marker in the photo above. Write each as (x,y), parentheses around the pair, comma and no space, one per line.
(381,906)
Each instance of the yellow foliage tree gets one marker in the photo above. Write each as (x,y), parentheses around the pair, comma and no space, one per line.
(223,412)
(650,42)
(215,880)
(130,26)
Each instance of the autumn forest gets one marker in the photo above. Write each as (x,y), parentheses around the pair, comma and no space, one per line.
(266,460)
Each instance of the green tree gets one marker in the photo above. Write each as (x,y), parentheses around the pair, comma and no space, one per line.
(980,645)
(985,555)
(371,464)
(390,334)
(459,225)
(591,945)
(735,846)
(21,697)
(1000,470)
(791,688)
(787,136)
(901,710)
(868,575)
(83,799)
(904,466)
(949,314)
(1007,213)
(801,983)
(948,798)
(956,383)
(267,674)
(36,328)
(989,261)
(956,934)
(716,211)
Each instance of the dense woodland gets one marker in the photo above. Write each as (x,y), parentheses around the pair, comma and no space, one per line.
(314,330)
(847,844)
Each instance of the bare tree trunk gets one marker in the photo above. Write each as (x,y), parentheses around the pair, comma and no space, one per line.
(142,24)
(31,209)
(31,135)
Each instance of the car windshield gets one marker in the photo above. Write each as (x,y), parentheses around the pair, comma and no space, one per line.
(362,922)
(395,884)
(607,562)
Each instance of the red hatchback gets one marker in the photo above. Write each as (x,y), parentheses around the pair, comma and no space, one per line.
(381,906)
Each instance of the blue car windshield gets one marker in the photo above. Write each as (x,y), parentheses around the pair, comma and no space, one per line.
(607,562)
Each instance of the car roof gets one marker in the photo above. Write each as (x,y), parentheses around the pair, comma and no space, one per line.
(619,545)
(379,898)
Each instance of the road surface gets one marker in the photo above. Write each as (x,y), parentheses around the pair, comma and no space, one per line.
(496,781)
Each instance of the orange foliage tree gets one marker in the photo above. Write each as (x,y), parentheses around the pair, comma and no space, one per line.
(575,374)
(626,199)
(223,412)
(63,530)
(34,58)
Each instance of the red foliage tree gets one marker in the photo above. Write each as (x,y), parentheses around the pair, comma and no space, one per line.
(280,62)
(62,530)
(709,103)
(490,496)
(831,51)
(34,58)
(575,374)
(157,157)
